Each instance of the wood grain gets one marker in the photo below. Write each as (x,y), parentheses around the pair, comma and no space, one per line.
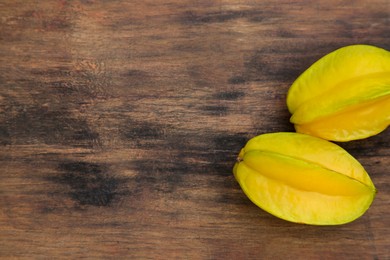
(121,120)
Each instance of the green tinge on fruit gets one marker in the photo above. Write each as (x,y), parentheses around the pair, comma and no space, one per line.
(303,179)
(354,80)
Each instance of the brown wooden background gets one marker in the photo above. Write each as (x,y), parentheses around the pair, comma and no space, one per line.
(121,120)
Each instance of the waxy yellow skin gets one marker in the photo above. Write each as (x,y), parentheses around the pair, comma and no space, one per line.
(303,179)
(343,96)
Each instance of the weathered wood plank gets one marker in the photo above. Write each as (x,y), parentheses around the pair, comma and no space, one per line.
(121,120)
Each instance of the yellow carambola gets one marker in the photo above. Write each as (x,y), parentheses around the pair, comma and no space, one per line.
(303,179)
(343,96)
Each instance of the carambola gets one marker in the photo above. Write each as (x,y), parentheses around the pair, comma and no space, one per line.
(303,179)
(343,96)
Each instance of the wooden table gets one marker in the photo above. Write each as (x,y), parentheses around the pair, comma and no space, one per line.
(121,120)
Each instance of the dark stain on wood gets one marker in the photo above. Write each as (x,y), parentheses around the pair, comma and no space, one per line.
(143,134)
(59,71)
(135,73)
(195,18)
(215,110)
(229,95)
(236,80)
(64,88)
(85,134)
(228,147)
(90,183)
(56,23)
(4,136)
(159,175)
(138,130)
(284,33)
(262,66)
(174,162)
(60,128)
(136,78)
(277,63)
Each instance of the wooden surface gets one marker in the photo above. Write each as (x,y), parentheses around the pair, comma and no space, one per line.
(121,120)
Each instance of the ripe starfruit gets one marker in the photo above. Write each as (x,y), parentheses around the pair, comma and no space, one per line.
(343,96)
(303,179)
